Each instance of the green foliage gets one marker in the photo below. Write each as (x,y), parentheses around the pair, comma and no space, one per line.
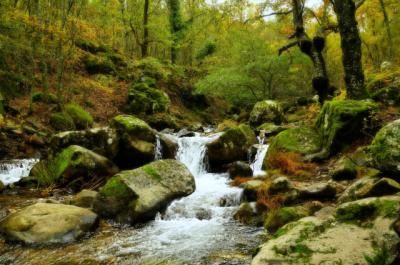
(144,98)
(209,49)
(82,119)
(98,64)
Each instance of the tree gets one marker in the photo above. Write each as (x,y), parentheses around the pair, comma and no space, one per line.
(351,48)
(177,27)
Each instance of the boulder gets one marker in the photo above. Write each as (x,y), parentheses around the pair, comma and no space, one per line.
(280,184)
(169,145)
(266,111)
(279,217)
(302,140)
(74,164)
(231,146)
(47,223)
(103,141)
(344,169)
(82,118)
(384,149)
(251,189)
(144,97)
(359,232)
(137,141)
(271,129)
(342,121)
(239,169)
(320,191)
(138,195)
(84,198)
(369,187)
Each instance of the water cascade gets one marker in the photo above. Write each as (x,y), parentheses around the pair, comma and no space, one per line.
(13,170)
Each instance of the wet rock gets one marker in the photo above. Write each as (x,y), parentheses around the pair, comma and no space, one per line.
(74,165)
(2,187)
(231,146)
(248,214)
(203,214)
(103,141)
(271,129)
(340,122)
(385,149)
(137,141)
(279,217)
(266,111)
(368,187)
(146,190)
(47,223)
(320,191)
(280,184)
(169,146)
(84,199)
(185,133)
(344,169)
(359,232)
(239,169)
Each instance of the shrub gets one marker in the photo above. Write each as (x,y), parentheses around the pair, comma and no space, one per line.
(80,116)
(62,121)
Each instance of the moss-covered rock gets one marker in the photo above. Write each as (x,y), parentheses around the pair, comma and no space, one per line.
(61,121)
(161,121)
(302,140)
(48,223)
(73,166)
(266,111)
(341,121)
(143,97)
(248,214)
(231,146)
(279,217)
(43,97)
(271,129)
(138,195)
(344,169)
(137,141)
(82,119)
(385,149)
(103,141)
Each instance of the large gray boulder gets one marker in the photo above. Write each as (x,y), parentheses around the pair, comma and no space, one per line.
(231,146)
(137,141)
(46,223)
(359,232)
(385,149)
(138,195)
(103,141)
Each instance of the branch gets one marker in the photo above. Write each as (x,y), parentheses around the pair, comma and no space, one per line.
(313,14)
(280,13)
(287,47)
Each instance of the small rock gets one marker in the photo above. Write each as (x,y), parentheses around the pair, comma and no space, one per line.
(239,169)
(248,214)
(84,199)
(280,184)
(318,191)
(185,133)
(344,169)
(278,218)
(251,188)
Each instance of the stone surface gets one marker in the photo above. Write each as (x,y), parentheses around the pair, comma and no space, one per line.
(84,199)
(239,169)
(266,111)
(46,223)
(138,195)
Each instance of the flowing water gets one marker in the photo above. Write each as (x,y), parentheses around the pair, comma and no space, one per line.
(198,229)
(13,170)
(257,164)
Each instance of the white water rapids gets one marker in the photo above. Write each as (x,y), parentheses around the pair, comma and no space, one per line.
(13,170)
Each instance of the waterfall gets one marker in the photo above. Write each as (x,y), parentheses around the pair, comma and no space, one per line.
(13,170)
(257,164)
(194,226)
(158,149)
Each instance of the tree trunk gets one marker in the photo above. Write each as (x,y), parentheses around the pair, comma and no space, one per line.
(313,49)
(351,48)
(388,29)
(145,43)
(176,27)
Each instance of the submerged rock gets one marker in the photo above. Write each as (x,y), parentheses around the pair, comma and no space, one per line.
(266,111)
(137,141)
(138,195)
(47,223)
(73,164)
(385,149)
(231,146)
(359,232)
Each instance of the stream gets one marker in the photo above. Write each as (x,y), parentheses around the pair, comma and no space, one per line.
(198,229)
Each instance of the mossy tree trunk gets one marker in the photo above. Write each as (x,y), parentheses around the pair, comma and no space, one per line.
(313,48)
(177,27)
(351,48)
(145,43)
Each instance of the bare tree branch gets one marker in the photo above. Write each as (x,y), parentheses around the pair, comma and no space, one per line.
(287,47)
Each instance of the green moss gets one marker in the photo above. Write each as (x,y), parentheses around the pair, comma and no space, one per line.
(45,98)
(130,123)
(98,64)
(341,120)
(62,121)
(115,187)
(145,98)
(266,111)
(151,171)
(303,251)
(80,116)
(282,216)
